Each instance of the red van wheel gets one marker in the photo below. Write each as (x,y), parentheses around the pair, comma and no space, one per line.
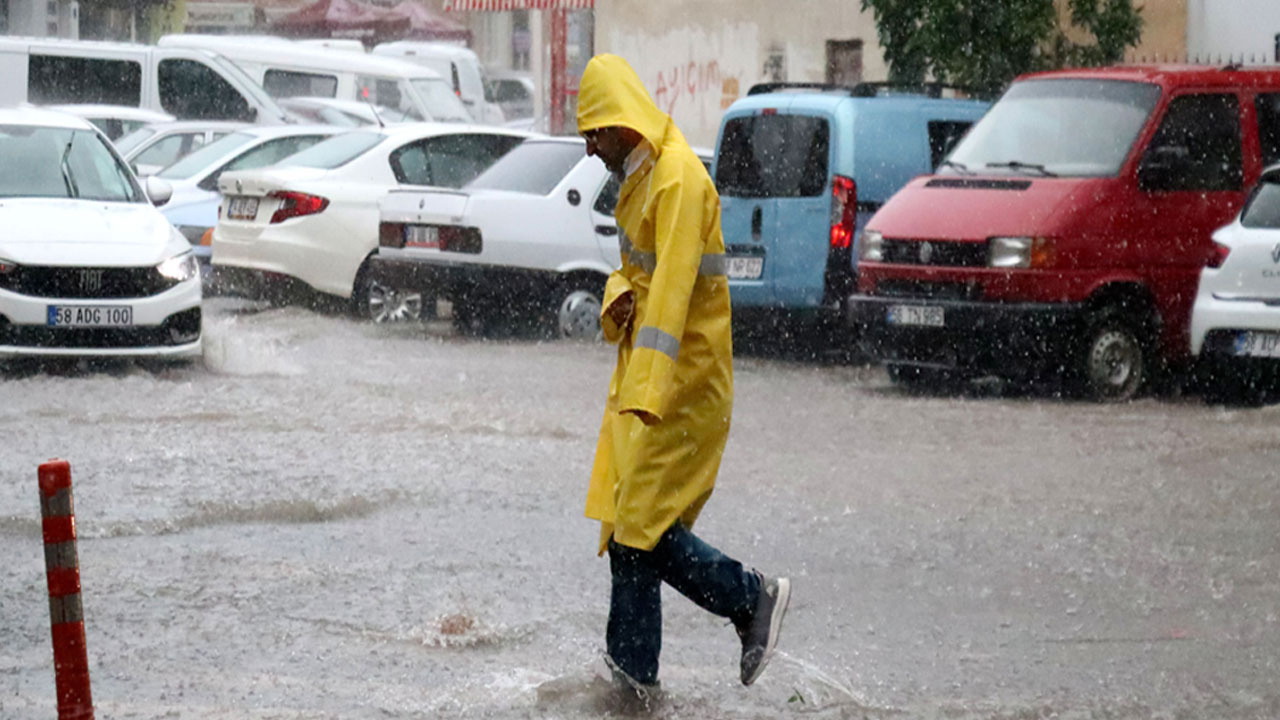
(1113,358)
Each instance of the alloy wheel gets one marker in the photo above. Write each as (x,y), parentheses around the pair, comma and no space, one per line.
(578,317)
(393,305)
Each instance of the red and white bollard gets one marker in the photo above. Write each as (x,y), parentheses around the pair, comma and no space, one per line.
(62,567)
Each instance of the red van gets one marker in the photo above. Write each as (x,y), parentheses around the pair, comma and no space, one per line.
(1064,235)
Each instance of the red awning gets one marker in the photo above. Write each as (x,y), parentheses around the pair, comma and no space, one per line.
(348,18)
(497,5)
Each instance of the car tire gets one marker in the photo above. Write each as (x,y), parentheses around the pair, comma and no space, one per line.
(1112,363)
(383,304)
(576,310)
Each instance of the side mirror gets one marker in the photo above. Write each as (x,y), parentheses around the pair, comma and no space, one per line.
(158,191)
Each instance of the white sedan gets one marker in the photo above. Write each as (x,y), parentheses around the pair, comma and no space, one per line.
(312,223)
(1235,323)
(527,245)
(88,266)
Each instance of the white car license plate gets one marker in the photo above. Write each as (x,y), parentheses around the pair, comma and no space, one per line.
(90,316)
(1258,344)
(422,236)
(927,315)
(745,268)
(242,208)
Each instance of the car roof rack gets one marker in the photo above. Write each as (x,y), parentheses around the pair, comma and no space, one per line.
(874,89)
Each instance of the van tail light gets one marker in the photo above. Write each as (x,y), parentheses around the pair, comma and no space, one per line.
(1217,255)
(296,204)
(844,211)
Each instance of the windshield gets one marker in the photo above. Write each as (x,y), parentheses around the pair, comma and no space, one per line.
(440,101)
(133,140)
(532,167)
(201,159)
(60,162)
(1073,127)
(337,151)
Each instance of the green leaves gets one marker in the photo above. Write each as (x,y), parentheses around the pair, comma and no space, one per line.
(983,44)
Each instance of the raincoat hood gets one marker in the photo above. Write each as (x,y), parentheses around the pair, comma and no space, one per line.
(611,94)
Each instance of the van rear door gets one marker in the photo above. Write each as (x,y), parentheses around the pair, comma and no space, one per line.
(772,173)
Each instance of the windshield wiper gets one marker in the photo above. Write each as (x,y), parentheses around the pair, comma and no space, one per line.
(957,165)
(1016,165)
(72,189)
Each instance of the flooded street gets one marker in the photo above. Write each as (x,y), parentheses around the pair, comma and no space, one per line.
(328,519)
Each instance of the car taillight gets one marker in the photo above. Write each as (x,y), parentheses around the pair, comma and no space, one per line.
(296,204)
(391,235)
(844,210)
(1217,256)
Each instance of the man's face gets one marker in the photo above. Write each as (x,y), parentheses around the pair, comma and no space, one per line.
(610,145)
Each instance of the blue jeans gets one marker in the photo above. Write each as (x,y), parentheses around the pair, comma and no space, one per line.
(698,571)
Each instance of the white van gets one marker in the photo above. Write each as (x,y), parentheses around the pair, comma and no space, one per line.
(188,83)
(285,68)
(458,65)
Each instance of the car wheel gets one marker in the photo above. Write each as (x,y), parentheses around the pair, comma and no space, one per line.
(385,304)
(1113,360)
(578,315)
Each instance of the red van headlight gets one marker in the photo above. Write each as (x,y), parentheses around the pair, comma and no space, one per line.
(1020,252)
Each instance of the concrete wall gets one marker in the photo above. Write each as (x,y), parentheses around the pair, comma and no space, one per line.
(698,57)
(1233,28)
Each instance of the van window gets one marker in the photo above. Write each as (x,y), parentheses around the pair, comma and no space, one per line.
(943,135)
(1197,146)
(1268,107)
(190,89)
(449,160)
(53,79)
(1263,209)
(287,83)
(773,156)
(1071,127)
(535,168)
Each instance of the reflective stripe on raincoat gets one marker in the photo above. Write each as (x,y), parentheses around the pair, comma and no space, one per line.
(675,355)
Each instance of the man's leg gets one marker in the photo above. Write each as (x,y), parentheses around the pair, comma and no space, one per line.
(634,633)
(716,582)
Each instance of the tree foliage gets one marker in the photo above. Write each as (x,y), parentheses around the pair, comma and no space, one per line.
(986,43)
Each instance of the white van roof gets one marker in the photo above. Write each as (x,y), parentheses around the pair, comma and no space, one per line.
(425,49)
(282,51)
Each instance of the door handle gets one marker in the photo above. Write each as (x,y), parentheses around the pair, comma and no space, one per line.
(757,220)
(607,229)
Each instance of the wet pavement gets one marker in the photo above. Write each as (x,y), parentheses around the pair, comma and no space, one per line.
(328,519)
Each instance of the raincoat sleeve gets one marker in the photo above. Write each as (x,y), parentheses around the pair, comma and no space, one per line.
(649,384)
(617,288)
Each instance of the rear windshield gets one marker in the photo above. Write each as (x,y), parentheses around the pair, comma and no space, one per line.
(206,156)
(533,167)
(336,151)
(1263,210)
(773,156)
(1081,128)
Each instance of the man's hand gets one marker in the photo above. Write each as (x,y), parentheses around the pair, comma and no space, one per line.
(620,310)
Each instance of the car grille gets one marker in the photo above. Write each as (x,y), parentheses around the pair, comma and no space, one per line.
(177,329)
(77,282)
(930,290)
(935,252)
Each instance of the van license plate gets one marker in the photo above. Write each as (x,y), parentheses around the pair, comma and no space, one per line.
(242,208)
(927,315)
(1258,344)
(745,268)
(90,316)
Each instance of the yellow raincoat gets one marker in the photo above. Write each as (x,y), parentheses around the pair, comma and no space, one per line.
(675,356)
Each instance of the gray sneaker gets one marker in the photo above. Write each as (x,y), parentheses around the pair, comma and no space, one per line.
(760,635)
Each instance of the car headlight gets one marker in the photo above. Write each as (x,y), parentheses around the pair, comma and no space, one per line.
(1019,252)
(872,246)
(180,267)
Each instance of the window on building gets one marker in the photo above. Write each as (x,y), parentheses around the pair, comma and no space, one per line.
(55,79)
(844,62)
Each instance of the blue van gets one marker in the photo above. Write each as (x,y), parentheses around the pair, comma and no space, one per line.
(801,168)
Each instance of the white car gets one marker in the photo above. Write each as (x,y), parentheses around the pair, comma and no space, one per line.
(347,113)
(532,239)
(154,147)
(314,219)
(193,209)
(115,121)
(88,266)
(1235,322)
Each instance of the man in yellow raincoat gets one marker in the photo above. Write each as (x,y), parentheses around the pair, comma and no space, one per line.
(667,415)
